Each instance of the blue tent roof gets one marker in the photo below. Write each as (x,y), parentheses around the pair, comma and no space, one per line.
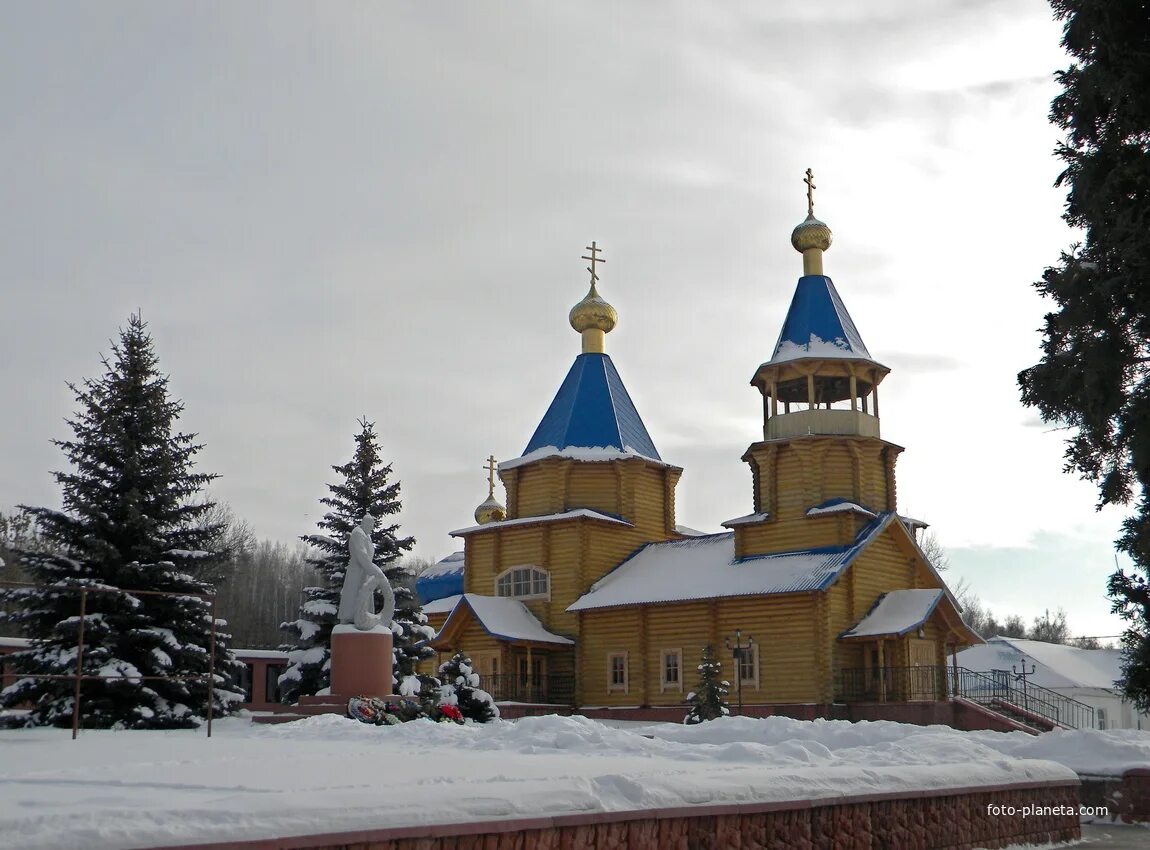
(592,409)
(818,324)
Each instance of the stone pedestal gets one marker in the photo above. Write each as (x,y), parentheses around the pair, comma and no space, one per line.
(361,662)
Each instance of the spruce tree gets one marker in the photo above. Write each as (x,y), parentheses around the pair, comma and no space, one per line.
(130,522)
(1094,375)
(362,488)
(709,700)
(461,688)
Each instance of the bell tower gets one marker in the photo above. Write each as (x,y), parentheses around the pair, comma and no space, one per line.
(822,469)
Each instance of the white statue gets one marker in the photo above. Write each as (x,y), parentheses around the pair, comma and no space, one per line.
(361,581)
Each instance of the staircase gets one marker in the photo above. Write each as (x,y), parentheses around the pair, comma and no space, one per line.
(1026,705)
(308,706)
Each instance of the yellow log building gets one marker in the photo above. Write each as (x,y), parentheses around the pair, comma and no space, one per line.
(584,590)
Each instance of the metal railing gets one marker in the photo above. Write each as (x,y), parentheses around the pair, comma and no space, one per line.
(550,689)
(998,690)
(1006,693)
(890,684)
(79,677)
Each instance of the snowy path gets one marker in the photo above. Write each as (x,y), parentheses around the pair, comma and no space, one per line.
(136,789)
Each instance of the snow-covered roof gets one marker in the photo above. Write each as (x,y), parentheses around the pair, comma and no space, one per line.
(687,531)
(443,578)
(745,520)
(448,566)
(818,325)
(577,513)
(593,409)
(442,606)
(705,568)
(897,613)
(1056,665)
(587,454)
(840,506)
(270,654)
(505,618)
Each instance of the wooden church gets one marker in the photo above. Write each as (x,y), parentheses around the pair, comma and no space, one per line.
(584,591)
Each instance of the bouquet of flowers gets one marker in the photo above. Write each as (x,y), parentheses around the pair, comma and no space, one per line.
(450,714)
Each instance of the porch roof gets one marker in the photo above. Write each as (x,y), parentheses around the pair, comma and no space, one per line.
(501,617)
(897,613)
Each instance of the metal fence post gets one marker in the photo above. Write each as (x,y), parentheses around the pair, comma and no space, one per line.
(211,663)
(79,664)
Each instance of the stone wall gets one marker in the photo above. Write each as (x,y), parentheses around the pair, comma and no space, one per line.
(1126,797)
(952,819)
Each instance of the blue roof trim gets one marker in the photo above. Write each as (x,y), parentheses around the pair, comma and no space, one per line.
(593,409)
(817,312)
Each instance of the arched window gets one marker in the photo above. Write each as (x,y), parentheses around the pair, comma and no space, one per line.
(524,583)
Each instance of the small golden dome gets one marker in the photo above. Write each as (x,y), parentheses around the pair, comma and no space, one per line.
(490,511)
(812,233)
(593,313)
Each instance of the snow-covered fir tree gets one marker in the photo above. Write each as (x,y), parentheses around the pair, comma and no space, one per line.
(131,521)
(709,700)
(363,488)
(461,688)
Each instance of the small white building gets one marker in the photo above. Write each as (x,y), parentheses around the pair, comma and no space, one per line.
(1086,675)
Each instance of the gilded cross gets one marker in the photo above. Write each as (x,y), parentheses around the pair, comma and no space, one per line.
(490,467)
(594,258)
(810,181)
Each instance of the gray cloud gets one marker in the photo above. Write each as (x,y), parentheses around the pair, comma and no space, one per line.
(327,213)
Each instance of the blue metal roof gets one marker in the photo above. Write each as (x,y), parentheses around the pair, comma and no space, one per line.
(443,579)
(818,324)
(592,409)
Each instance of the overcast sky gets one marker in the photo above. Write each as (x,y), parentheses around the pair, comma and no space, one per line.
(328,211)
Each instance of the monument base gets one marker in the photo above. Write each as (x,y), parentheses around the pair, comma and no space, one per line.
(361,662)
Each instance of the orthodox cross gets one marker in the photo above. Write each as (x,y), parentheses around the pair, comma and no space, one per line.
(810,181)
(490,467)
(594,258)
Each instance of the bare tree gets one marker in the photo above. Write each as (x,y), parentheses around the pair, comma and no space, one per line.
(233,538)
(1052,629)
(17,532)
(264,588)
(934,551)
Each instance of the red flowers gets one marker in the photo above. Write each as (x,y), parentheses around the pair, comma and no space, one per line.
(451,712)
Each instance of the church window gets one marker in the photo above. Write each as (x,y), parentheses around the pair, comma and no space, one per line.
(672,667)
(617,672)
(1100,715)
(524,583)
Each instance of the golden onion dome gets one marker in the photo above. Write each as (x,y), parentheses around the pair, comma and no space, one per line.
(812,233)
(490,511)
(593,313)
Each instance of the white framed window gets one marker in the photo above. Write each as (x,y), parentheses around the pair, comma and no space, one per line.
(617,674)
(1100,717)
(671,667)
(748,664)
(524,583)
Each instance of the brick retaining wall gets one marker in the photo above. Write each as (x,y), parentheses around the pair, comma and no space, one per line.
(1127,797)
(950,819)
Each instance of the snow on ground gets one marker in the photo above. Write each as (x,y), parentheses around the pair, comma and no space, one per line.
(324,774)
